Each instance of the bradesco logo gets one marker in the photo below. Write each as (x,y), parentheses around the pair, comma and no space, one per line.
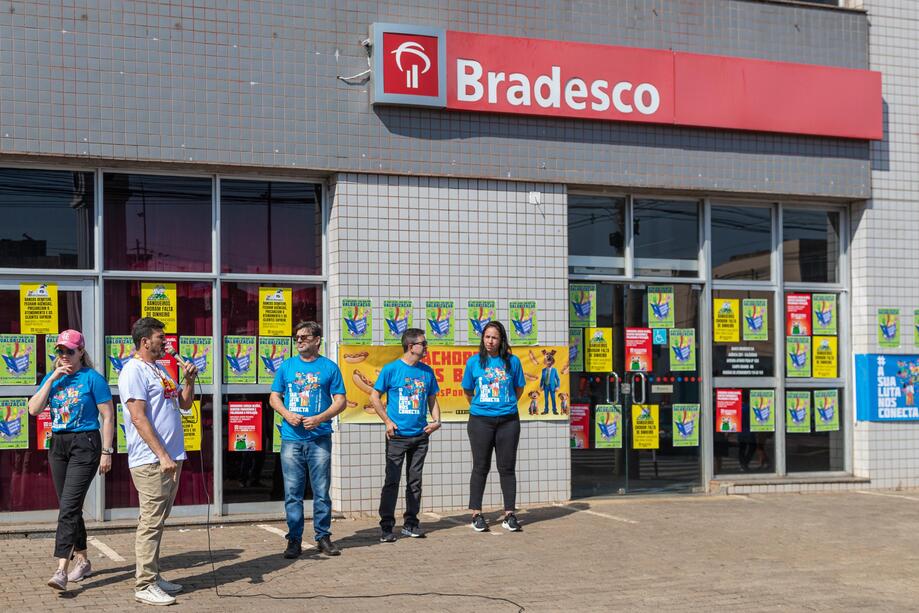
(409,65)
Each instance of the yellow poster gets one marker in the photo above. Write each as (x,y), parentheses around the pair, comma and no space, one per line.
(727,320)
(158,300)
(361,364)
(38,308)
(191,427)
(645,426)
(598,353)
(826,357)
(274,311)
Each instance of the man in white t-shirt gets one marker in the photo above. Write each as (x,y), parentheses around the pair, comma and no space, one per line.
(156,449)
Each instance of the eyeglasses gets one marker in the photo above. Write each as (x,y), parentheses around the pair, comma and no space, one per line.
(306,337)
(422,343)
(60,351)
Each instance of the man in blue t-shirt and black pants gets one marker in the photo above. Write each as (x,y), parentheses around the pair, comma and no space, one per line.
(411,391)
(307,392)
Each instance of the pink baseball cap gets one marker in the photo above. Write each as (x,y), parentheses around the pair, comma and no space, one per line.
(70,339)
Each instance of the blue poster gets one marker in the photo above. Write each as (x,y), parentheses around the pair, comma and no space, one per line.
(886,387)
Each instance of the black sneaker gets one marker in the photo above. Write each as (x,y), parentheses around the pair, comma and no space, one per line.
(510,523)
(387,537)
(293,549)
(327,547)
(413,531)
(478,523)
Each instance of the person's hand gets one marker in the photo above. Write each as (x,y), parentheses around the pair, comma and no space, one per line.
(105,463)
(190,371)
(168,467)
(62,371)
(432,427)
(311,422)
(293,419)
(390,428)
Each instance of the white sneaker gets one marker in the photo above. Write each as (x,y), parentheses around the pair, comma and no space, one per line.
(152,594)
(168,586)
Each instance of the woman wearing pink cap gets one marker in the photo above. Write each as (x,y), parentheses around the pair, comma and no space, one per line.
(77,395)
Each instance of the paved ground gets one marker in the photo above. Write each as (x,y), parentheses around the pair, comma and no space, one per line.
(821,552)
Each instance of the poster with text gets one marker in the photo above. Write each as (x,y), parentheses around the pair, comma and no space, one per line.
(598,352)
(728,405)
(50,351)
(798,356)
(660,306)
(43,424)
(169,363)
(762,410)
(356,321)
(825,315)
(524,329)
(686,425)
(272,351)
(197,350)
(121,440)
(727,320)
(887,387)
(398,315)
(889,328)
(18,353)
(38,308)
(582,300)
(916,328)
(645,426)
(608,426)
(158,300)
(638,350)
(755,319)
(683,349)
(797,314)
(275,311)
(797,411)
(244,426)
(575,350)
(276,432)
(826,410)
(239,365)
(118,351)
(479,313)
(14,423)
(826,363)
(191,427)
(579,426)
(439,322)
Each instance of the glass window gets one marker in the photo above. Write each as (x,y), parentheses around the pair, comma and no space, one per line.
(741,242)
(744,338)
(810,245)
(48,219)
(280,225)
(666,238)
(253,476)
(812,341)
(596,235)
(814,436)
(157,223)
(744,431)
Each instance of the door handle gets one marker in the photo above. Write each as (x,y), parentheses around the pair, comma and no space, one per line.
(639,381)
(615,399)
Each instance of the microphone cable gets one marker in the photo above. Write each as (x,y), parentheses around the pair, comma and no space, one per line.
(197,393)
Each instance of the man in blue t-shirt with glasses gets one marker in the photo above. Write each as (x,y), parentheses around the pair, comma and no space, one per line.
(411,391)
(307,392)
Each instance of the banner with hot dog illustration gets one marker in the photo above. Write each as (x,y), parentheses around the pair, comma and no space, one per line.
(360,366)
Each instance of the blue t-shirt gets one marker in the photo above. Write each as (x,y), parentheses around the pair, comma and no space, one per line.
(308,388)
(493,387)
(74,400)
(407,390)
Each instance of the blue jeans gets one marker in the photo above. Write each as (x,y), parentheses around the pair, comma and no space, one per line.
(298,457)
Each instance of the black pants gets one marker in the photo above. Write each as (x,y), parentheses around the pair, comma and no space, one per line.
(400,449)
(74,459)
(501,434)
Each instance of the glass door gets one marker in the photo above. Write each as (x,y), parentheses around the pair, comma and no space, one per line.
(643,412)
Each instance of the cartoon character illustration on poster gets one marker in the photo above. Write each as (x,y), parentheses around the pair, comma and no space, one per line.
(125,353)
(399,323)
(549,382)
(563,403)
(11,425)
(198,359)
(480,318)
(908,379)
(273,360)
(609,426)
(357,323)
(240,443)
(534,407)
(18,362)
(242,361)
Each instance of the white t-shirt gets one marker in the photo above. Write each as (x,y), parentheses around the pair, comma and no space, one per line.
(140,380)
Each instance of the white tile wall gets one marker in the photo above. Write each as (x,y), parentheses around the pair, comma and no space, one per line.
(424,238)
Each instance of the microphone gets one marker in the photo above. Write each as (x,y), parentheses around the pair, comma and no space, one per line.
(171,351)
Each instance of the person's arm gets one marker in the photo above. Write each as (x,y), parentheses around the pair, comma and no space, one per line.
(187,395)
(39,401)
(276,402)
(380,410)
(138,411)
(107,411)
(519,381)
(337,406)
(434,408)
(468,383)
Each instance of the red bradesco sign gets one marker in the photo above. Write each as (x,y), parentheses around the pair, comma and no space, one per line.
(498,74)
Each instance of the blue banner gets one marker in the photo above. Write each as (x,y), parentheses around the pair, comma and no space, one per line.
(886,387)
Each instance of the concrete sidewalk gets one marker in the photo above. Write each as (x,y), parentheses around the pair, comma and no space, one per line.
(820,552)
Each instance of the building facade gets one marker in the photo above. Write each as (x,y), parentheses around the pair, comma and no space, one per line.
(219,151)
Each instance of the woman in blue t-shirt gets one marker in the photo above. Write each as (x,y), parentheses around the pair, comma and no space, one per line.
(77,395)
(493,383)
